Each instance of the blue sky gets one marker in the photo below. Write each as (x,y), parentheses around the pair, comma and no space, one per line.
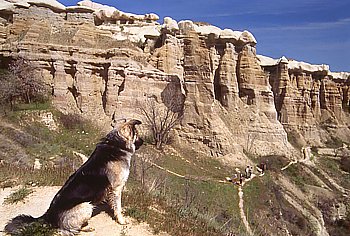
(315,31)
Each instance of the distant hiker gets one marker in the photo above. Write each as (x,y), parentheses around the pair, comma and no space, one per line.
(250,171)
(247,172)
(262,167)
(234,177)
(240,179)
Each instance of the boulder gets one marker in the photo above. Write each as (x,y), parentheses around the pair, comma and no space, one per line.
(52,4)
(104,12)
(170,25)
(230,34)
(6,6)
(247,37)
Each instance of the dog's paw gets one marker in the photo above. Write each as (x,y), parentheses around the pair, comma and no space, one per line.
(87,229)
(123,221)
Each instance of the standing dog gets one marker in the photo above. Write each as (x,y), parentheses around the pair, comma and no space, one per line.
(101,178)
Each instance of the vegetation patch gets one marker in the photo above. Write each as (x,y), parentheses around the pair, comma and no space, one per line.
(332,167)
(36,229)
(28,139)
(267,211)
(18,196)
(12,175)
(182,206)
(338,227)
(300,177)
(164,217)
(273,163)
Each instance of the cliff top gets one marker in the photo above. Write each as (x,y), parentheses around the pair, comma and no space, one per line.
(301,66)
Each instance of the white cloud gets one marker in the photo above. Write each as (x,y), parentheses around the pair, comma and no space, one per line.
(308,26)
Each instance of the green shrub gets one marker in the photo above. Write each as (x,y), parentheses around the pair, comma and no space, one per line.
(36,229)
(18,196)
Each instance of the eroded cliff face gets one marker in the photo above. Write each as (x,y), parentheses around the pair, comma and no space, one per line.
(311,102)
(102,64)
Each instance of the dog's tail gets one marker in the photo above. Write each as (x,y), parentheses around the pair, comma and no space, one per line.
(16,224)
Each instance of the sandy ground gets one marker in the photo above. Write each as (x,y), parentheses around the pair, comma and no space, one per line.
(38,202)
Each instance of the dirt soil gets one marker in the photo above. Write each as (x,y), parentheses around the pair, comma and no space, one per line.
(38,202)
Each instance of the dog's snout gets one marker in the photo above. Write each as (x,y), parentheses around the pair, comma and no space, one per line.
(138,143)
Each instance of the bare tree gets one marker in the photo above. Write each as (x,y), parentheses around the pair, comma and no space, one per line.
(161,117)
(20,84)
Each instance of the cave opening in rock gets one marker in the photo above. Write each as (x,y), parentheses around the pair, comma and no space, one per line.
(247,95)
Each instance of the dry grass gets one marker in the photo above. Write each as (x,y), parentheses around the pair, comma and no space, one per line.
(177,205)
(12,175)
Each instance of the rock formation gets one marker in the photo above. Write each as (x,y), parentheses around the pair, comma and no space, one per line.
(103,62)
(309,99)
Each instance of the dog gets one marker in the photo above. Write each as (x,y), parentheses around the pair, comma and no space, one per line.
(100,179)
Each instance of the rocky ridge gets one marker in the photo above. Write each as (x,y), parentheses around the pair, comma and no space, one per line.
(101,61)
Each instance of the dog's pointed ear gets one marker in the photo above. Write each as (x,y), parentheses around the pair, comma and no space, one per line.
(117,122)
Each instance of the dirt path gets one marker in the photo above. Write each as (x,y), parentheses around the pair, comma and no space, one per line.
(289,164)
(241,211)
(38,202)
(241,204)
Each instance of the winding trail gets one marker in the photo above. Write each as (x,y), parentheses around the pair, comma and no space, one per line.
(240,191)
(289,164)
(241,203)
(241,211)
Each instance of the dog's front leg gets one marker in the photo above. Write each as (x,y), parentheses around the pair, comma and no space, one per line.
(117,205)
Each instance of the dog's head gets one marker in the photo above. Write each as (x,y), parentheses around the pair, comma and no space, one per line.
(125,131)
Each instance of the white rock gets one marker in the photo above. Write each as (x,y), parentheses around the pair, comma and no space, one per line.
(137,34)
(37,165)
(79,9)
(133,32)
(6,6)
(283,60)
(230,34)
(151,16)
(170,24)
(267,61)
(292,64)
(186,25)
(247,37)
(300,65)
(104,11)
(20,3)
(93,5)
(101,10)
(340,75)
(52,4)
(208,29)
